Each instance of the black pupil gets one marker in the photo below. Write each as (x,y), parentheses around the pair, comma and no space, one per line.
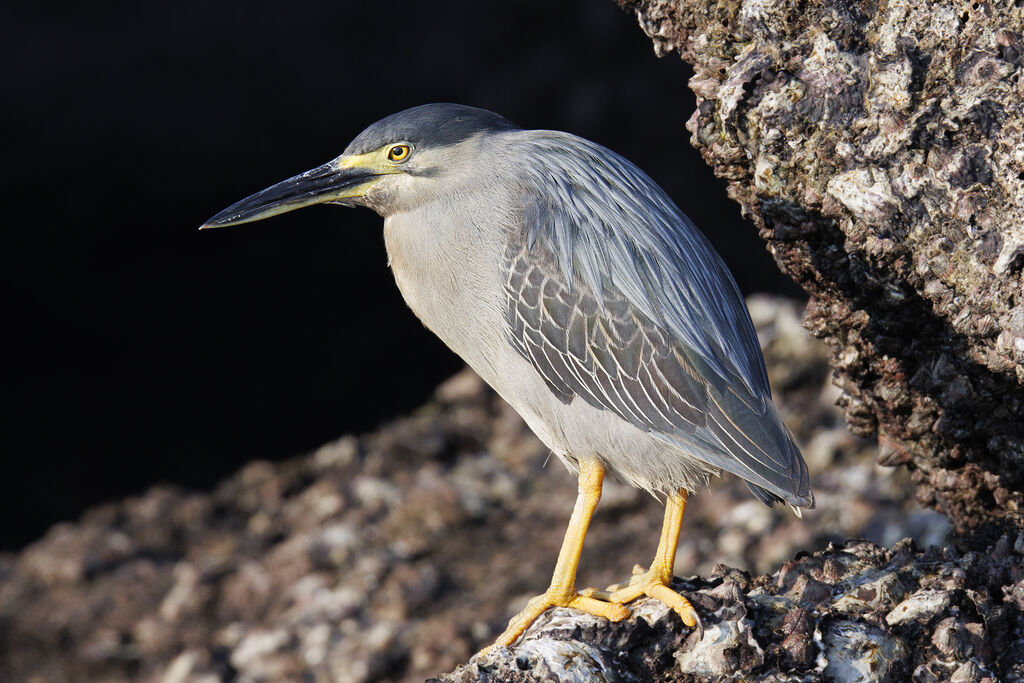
(397,152)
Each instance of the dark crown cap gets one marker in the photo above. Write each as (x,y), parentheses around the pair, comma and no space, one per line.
(429,125)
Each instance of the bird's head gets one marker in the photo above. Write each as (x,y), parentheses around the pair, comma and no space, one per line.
(392,165)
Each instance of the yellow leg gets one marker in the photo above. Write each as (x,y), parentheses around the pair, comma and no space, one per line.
(655,581)
(562,591)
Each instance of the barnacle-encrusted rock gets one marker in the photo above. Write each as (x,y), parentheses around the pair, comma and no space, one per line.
(879,148)
(755,629)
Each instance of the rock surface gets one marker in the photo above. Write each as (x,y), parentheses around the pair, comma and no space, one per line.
(877,146)
(828,617)
(396,555)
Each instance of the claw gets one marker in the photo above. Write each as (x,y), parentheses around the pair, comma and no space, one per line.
(698,627)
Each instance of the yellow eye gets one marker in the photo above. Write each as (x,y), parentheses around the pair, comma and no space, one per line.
(398,153)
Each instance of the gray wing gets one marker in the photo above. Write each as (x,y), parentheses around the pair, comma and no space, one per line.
(616,298)
(616,359)
(607,224)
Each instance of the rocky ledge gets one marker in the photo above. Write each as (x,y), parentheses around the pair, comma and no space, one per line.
(854,612)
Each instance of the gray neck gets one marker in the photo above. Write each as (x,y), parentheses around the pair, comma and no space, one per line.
(451,272)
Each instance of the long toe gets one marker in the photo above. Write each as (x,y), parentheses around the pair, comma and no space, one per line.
(653,585)
(681,606)
(612,611)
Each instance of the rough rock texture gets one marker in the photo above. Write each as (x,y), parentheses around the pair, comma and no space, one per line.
(854,612)
(878,148)
(396,555)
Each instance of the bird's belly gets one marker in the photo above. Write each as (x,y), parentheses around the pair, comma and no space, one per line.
(578,430)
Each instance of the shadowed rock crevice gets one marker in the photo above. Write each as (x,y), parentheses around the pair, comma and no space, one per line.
(886,339)
(877,149)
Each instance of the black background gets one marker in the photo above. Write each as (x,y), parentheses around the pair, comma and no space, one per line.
(140,350)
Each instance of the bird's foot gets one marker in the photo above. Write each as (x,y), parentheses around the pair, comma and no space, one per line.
(612,611)
(653,583)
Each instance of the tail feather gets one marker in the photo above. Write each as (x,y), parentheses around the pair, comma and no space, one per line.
(758,447)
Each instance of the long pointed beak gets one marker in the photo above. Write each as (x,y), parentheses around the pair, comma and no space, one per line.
(336,181)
